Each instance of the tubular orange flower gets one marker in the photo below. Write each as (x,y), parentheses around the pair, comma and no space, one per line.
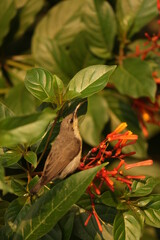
(139,164)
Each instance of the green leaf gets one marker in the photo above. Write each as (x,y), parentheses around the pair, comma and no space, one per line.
(3,186)
(54,58)
(31,157)
(120,110)
(9,158)
(43,85)
(4,111)
(20,101)
(82,56)
(18,189)
(24,130)
(7,12)
(108,199)
(66,224)
(89,81)
(134,78)
(91,231)
(66,27)
(151,211)
(133,15)
(3,208)
(50,208)
(100,27)
(94,121)
(143,187)
(17,208)
(27,15)
(55,234)
(127,225)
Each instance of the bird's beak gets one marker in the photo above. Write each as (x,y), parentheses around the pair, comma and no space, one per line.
(75,111)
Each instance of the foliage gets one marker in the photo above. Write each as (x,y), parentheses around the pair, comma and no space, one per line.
(52,57)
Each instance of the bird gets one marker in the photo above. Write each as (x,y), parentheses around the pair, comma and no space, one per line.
(65,154)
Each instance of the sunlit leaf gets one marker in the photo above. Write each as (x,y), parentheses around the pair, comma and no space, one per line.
(89,81)
(133,15)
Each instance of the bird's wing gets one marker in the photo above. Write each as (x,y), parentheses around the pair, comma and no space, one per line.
(59,158)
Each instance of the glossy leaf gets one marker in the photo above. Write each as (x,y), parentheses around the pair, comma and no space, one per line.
(67,224)
(50,208)
(151,211)
(127,225)
(89,81)
(133,15)
(119,110)
(100,27)
(94,121)
(24,130)
(43,85)
(31,157)
(135,79)
(9,158)
(143,188)
(5,111)
(7,12)
(55,233)
(20,101)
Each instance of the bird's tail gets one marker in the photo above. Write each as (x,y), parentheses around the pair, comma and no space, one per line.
(36,188)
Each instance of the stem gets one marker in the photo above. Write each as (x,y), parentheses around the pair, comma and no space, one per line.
(18,65)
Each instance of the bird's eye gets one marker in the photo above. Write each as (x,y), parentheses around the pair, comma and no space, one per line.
(71,120)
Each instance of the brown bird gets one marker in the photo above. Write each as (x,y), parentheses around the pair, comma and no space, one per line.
(65,154)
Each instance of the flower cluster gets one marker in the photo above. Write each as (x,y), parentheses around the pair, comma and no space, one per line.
(105,153)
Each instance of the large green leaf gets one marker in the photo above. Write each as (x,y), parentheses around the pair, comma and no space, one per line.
(89,81)
(119,110)
(95,120)
(24,130)
(50,208)
(58,25)
(81,55)
(20,101)
(54,58)
(27,14)
(5,111)
(100,27)
(151,211)
(134,78)
(133,15)
(43,85)
(127,225)
(7,12)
